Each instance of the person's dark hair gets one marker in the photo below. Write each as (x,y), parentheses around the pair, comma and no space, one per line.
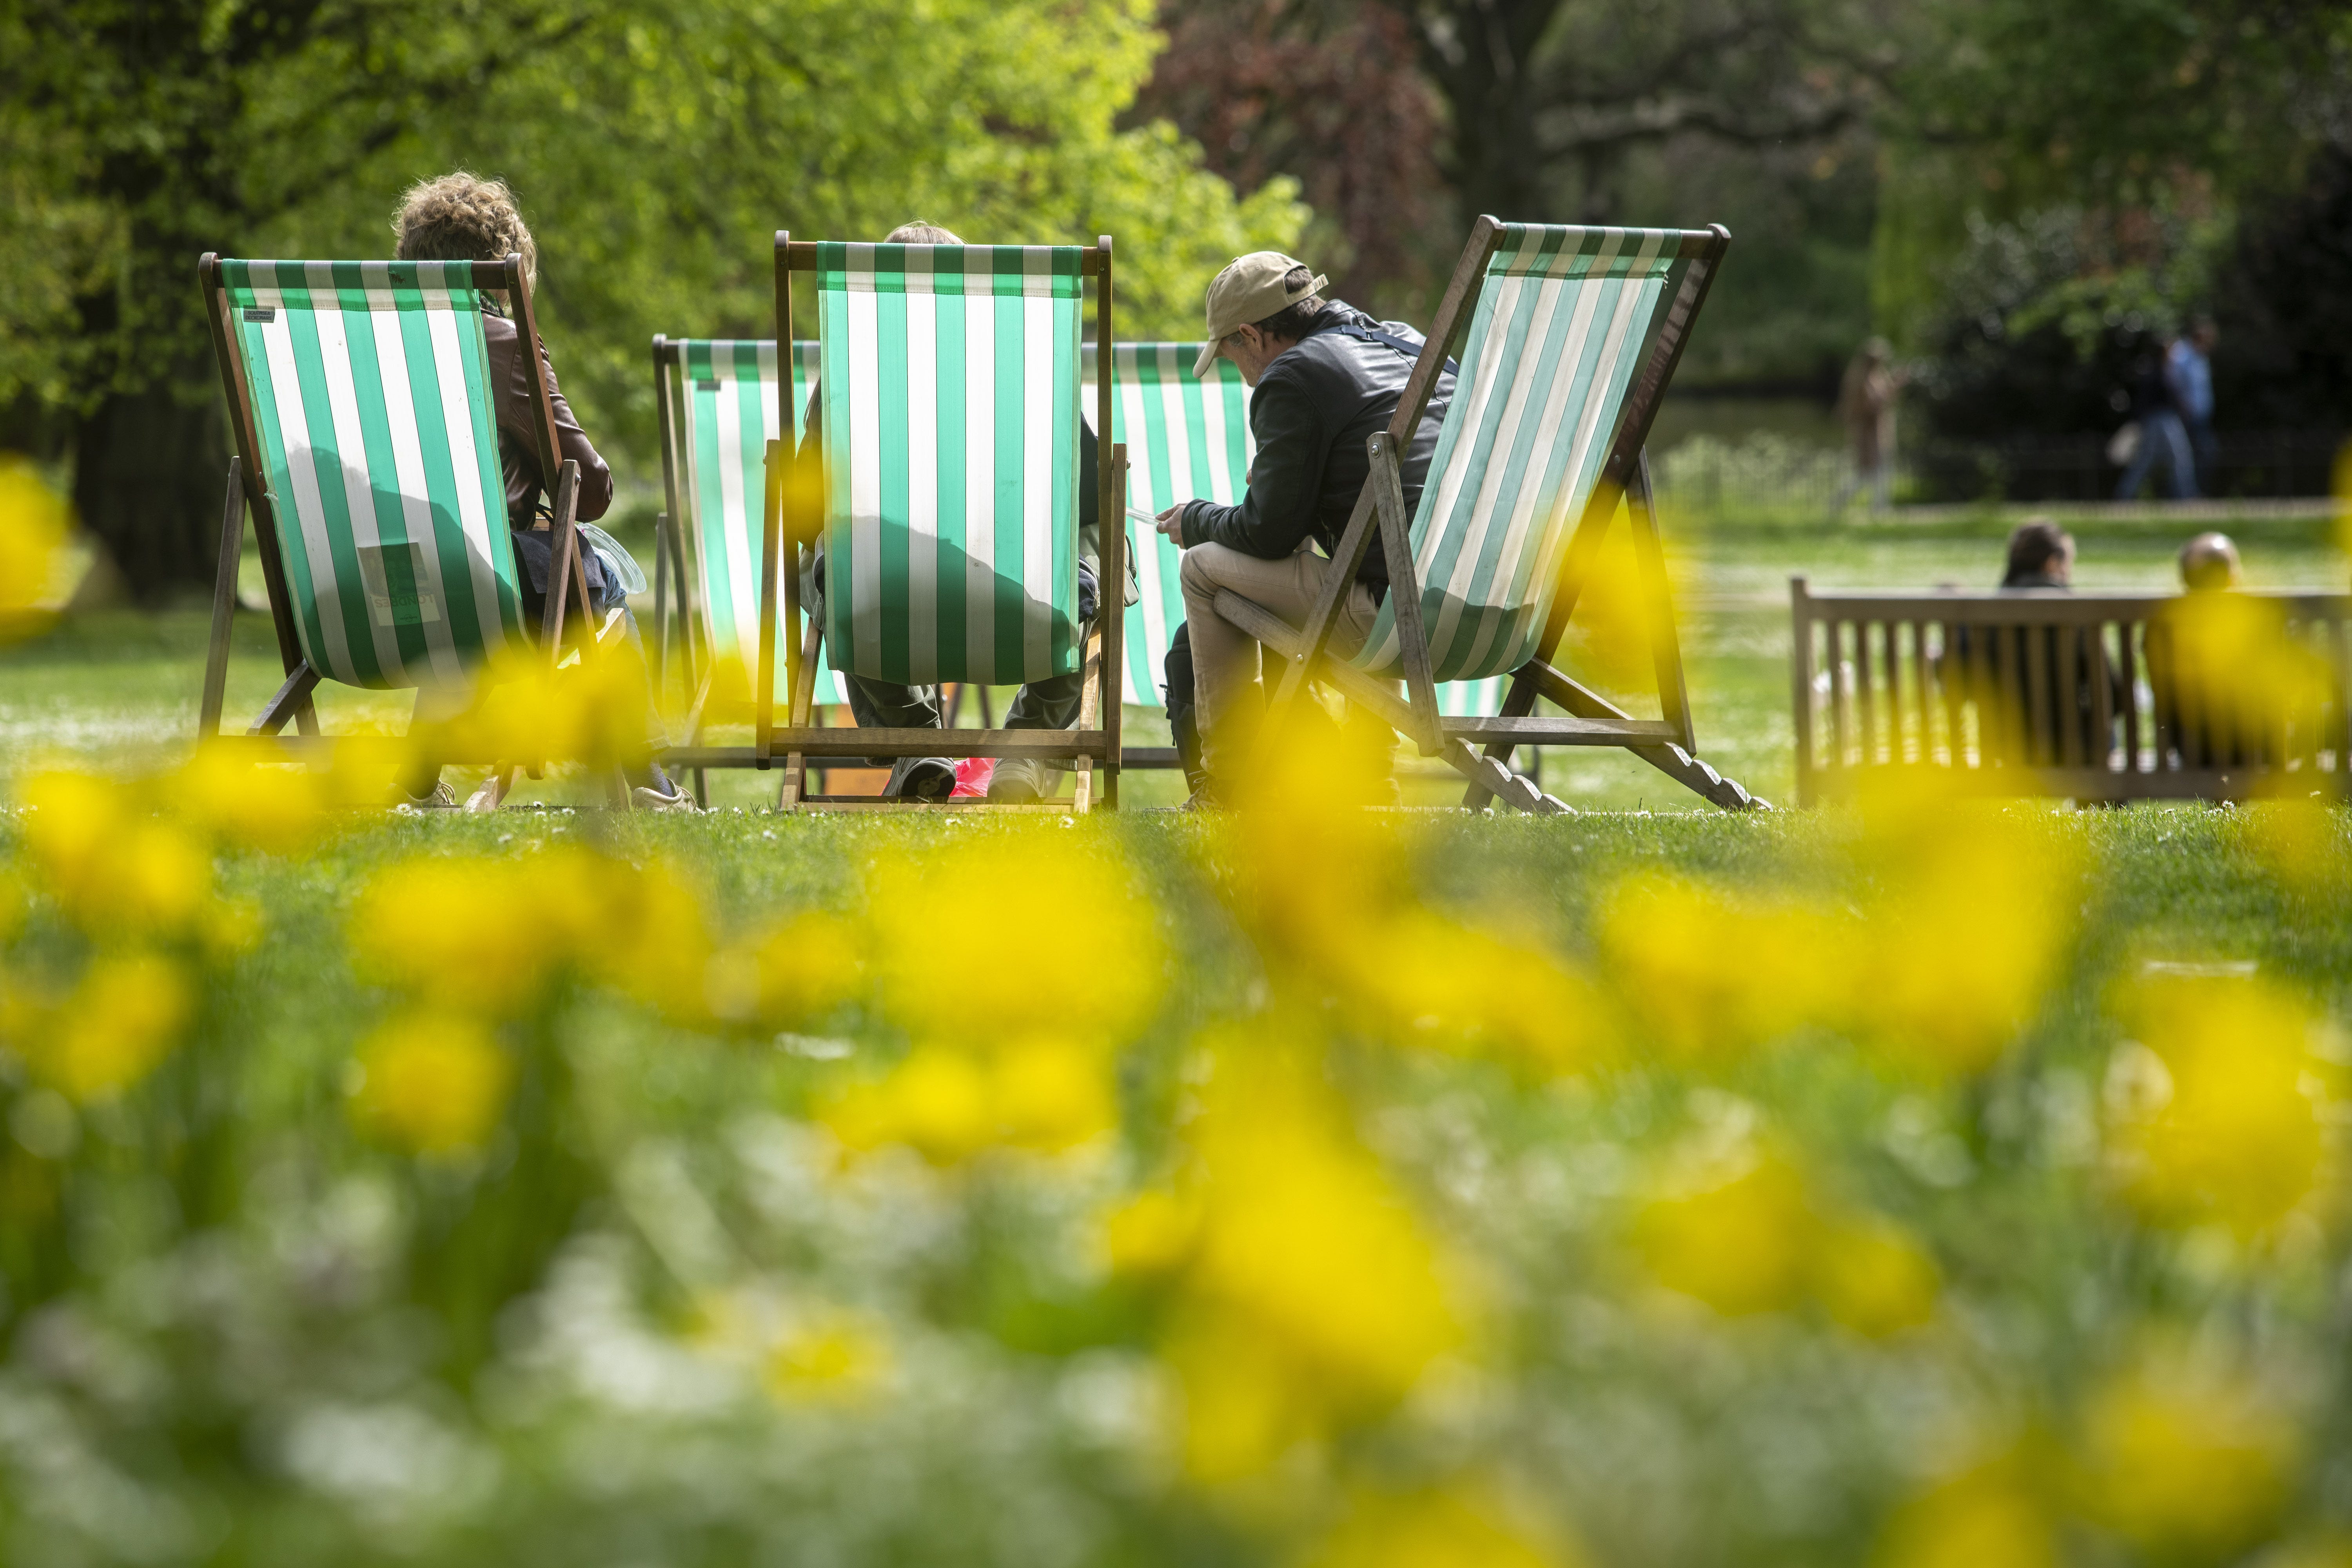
(2032,546)
(1291,322)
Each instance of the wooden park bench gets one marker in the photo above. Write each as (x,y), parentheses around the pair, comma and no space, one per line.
(2105,697)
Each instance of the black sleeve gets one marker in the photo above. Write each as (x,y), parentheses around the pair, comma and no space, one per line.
(1286,478)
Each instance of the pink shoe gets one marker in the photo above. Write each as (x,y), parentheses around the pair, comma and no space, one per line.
(972,774)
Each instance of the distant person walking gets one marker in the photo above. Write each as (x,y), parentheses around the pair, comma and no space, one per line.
(1866,402)
(2189,373)
(2158,404)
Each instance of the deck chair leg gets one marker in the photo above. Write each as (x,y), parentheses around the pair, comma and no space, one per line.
(1658,604)
(232,551)
(661,604)
(292,701)
(794,787)
(493,792)
(1518,703)
(1090,697)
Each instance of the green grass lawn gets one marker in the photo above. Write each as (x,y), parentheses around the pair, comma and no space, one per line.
(118,689)
(1728,1267)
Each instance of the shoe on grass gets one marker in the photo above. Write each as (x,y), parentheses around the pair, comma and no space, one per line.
(1208,795)
(921,778)
(643,797)
(1021,780)
(443,798)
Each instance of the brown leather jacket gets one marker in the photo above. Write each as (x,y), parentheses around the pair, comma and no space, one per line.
(518,446)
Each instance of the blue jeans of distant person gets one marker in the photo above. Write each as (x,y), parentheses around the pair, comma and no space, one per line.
(2162,438)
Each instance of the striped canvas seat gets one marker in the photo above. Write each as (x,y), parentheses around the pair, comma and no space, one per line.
(731,404)
(950,394)
(1566,319)
(378,451)
(1185,438)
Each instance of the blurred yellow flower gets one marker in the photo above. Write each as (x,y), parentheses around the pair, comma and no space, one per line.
(113,867)
(2187,1461)
(1970,922)
(432,1083)
(935,1101)
(1150,1234)
(1741,1243)
(1744,1232)
(524,710)
(35,525)
(833,1359)
(949,1102)
(1993,1515)
(1311,1296)
(2227,1121)
(479,934)
(793,976)
(1027,932)
(1870,1275)
(648,933)
(1711,974)
(276,808)
(1445,986)
(119,1022)
(1459,1526)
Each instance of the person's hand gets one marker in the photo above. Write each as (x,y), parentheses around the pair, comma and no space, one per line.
(1171,524)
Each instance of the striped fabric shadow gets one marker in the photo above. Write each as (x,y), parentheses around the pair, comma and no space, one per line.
(950,429)
(1185,438)
(730,407)
(379,452)
(1566,319)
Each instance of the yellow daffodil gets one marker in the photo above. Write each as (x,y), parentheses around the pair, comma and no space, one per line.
(2228,1123)
(2190,1461)
(432,1083)
(35,525)
(122,1019)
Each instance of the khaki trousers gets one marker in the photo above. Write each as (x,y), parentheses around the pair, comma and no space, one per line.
(1225,658)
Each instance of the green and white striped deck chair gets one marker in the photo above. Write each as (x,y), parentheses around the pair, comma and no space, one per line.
(1572,336)
(723,401)
(950,408)
(368,451)
(1184,437)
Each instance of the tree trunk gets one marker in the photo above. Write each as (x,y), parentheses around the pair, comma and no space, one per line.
(149,471)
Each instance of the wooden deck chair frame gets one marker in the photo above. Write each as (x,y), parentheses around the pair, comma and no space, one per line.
(1590,720)
(680,572)
(293,701)
(1092,747)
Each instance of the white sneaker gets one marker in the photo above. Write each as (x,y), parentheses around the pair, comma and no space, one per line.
(645,798)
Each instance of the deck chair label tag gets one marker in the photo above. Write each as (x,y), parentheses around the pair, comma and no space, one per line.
(399,594)
(264,313)
(707,383)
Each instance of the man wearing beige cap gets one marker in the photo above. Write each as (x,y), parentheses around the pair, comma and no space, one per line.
(1324,378)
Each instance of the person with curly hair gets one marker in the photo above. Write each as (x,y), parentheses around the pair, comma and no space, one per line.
(461,216)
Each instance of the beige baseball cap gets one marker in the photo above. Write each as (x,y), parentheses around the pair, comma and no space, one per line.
(1249,289)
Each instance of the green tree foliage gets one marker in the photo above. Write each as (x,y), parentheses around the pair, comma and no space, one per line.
(2140,116)
(656,149)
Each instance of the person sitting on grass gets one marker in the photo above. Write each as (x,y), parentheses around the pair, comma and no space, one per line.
(1049,704)
(462,218)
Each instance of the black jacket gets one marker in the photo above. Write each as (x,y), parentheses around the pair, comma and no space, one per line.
(1313,410)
